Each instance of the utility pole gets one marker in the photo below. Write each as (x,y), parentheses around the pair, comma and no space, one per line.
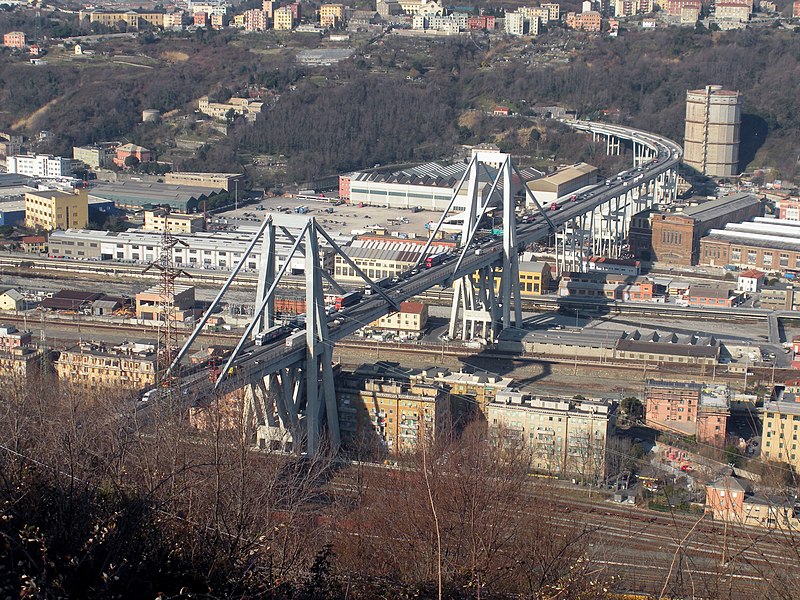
(167,347)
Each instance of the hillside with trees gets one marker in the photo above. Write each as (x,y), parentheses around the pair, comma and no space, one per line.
(398,100)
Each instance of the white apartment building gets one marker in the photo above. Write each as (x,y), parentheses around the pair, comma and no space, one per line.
(562,436)
(210,8)
(39,165)
(515,23)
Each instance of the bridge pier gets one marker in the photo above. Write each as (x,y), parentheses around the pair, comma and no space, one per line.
(482,305)
(613,145)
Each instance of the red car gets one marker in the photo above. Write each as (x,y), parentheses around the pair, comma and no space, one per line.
(554,206)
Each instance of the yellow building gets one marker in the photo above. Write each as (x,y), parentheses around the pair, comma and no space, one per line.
(331,15)
(780,428)
(412,317)
(159,220)
(245,107)
(11,299)
(387,414)
(130,366)
(477,389)
(133,19)
(19,364)
(534,278)
(51,209)
(283,18)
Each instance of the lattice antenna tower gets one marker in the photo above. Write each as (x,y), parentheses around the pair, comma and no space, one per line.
(168,346)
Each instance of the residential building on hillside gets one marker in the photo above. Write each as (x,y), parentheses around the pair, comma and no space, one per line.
(676,235)
(283,18)
(734,11)
(245,107)
(254,20)
(126,151)
(554,9)
(560,436)
(51,209)
(93,157)
(10,144)
(45,166)
(133,19)
(14,39)
(331,15)
(587,21)
(675,7)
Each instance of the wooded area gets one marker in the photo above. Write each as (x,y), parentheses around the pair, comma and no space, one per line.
(392,104)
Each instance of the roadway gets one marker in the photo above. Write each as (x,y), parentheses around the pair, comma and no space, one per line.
(255,362)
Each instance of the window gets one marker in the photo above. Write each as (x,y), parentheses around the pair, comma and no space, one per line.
(767,256)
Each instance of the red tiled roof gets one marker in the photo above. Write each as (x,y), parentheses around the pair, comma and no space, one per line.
(412,307)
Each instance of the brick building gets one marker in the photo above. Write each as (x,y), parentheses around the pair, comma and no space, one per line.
(712,295)
(765,244)
(606,285)
(676,236)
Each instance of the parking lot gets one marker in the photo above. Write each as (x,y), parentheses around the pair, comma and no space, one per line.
(344,218)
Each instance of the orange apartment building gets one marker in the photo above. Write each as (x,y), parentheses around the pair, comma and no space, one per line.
(586,21)
(689,409)
(11,338)
(14,39)
(127,150)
